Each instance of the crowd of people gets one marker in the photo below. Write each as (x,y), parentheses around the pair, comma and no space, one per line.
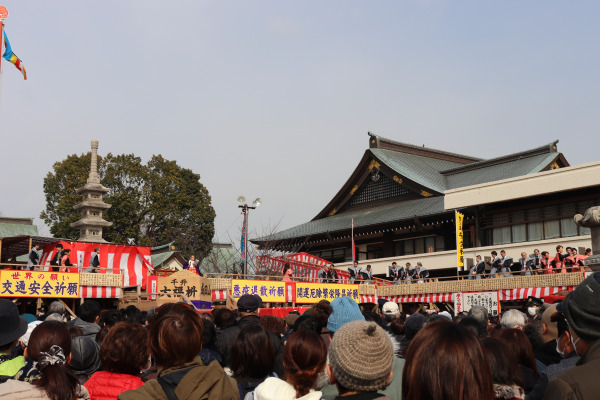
(333,350)
(533,264)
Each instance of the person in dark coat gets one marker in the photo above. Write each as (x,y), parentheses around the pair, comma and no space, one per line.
(248,306)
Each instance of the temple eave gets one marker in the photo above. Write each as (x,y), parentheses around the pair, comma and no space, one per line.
(92,204)
(91,223)
(92,187)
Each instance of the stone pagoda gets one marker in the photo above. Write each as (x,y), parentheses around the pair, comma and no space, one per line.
(91,223)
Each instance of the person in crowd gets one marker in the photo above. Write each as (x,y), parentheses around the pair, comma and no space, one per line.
(57,307)
(519,345)
(355,345)
(273,324)
(109,317)
(192,265)
(94,261)
(343,310)
(304,358)
(413,325)
(565,348)
(45,375)
(354,271)
(558,261)
(505,264)
(431,372)
(175,341)
(513,319)
(287,273)
(322,275)
(478,269)
(588,252)
(411,272)
(581,309)
(421,272)
(124,353)
(209,352)
(367,275)
(87,319)
(332,276)
(248,306)
(546,263)
(55,262)
(480,314)
(290,320)
(65,262)
(533,304)
(34,258)
(390,313)
(496,264)
(508,382)
(536,259)
(131,314)
(85,358)
(546,353)
(321,312)
(526,264)
(395,273)
(12,328)
(252,358)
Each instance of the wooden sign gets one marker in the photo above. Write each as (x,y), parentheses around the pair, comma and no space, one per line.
(186,283)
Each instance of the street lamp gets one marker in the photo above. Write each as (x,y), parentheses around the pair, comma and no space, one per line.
(244,242)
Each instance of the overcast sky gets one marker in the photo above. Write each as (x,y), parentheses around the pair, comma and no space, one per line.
(273,99)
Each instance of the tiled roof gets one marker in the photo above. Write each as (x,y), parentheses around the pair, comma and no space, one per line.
(224,258)
(495,172)
(158,259)
(422,170)
(10,230)
(433,169)
(364,218)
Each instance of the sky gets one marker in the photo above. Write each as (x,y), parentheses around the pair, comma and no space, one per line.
(274,99)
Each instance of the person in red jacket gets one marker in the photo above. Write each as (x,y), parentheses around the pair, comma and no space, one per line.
(124,352)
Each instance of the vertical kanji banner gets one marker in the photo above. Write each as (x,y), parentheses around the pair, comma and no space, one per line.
(459,241)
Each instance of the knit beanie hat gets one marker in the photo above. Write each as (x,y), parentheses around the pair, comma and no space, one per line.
(582,308)
(361,355)
(345,310)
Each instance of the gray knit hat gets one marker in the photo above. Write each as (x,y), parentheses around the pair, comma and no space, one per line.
(361,356)
(582,308)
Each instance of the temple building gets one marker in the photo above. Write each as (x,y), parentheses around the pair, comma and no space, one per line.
(402,199)
(91,223)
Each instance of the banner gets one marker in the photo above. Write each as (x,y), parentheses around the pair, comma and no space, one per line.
(185,282)
(39,284)
(489,300)
(243,241)
(459,240)
(314,292)
(269,291)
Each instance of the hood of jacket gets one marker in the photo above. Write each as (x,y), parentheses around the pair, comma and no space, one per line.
(276,389)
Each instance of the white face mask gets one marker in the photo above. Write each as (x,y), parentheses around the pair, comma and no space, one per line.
(574,343)
(562,354)
(531,311)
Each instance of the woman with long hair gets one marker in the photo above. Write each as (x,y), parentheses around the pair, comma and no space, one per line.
(304,358)
(508,382)
(252,358)
(445,361)
(521,346)
(45,374)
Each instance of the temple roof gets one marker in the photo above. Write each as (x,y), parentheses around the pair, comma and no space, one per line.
(416,177)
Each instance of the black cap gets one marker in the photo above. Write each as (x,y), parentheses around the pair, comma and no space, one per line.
(534,301)
(581,308)
(249,303)
(12,325)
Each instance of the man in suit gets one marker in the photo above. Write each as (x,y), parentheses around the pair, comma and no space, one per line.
(496,261)
(505,263)
(477,269)
(525,263)
(34,258)
(536,260)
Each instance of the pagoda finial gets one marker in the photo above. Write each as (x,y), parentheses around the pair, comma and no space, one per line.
(94,178)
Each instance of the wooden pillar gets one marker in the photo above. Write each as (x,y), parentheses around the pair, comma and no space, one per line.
(30,242)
